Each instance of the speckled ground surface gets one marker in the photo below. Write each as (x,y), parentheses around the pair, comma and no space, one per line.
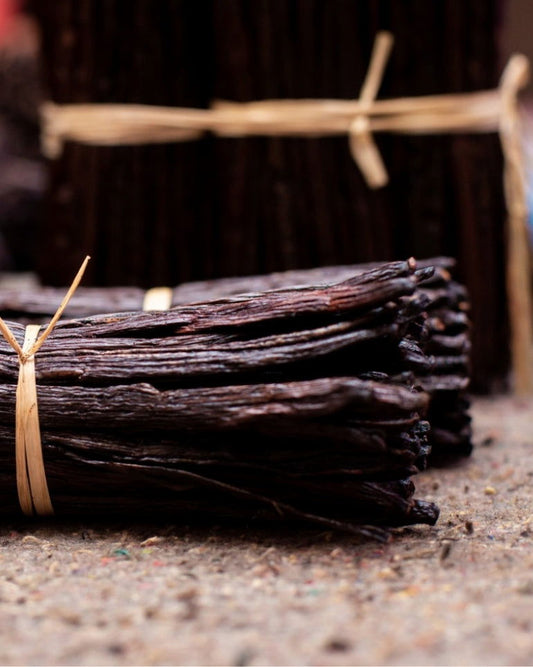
(460,593)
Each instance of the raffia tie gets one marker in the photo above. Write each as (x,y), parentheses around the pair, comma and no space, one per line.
(132,124)
(32,486)
(157,298)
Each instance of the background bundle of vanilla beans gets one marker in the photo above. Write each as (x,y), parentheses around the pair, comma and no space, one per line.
(297,403)
(443,371)
(219,207)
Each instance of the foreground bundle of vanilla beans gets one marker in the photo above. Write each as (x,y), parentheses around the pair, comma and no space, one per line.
(299,403)
(442,370)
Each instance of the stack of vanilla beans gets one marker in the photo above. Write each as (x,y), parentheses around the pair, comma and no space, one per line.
(304,398)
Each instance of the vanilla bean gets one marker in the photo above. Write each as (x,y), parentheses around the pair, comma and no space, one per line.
(142,406)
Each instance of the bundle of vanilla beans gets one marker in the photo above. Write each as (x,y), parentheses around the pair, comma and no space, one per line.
(445,339)
(306,401)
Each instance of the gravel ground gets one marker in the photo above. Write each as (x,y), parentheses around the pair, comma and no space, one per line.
(460,593)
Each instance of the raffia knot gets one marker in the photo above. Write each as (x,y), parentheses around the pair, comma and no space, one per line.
(32,486)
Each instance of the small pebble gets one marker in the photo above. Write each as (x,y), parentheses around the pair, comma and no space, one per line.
(116,649)
(387,573)
(338,551)
(337,645)
(490,491)
(122,553)
(150,541)
(243,658)
(446,550)
(526,589)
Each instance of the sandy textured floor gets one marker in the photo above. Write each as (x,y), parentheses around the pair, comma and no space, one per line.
(459,593)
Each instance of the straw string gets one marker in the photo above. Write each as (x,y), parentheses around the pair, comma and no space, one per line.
(32,486)
(123,124)
(362,145)
(519,299)
(157,298)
